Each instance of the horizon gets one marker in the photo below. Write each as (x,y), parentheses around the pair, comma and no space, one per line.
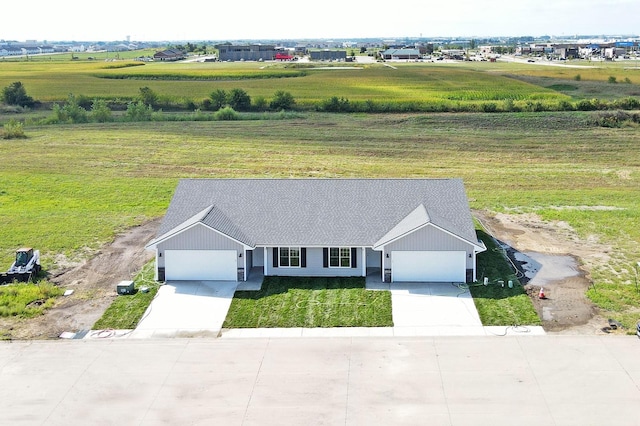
(67,20)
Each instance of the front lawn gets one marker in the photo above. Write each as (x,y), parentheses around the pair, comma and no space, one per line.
(310,302)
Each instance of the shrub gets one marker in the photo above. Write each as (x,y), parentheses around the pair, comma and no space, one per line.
(565,105)
(206,104)
(70,112)
(577,77)
(588,105)
(615,118)
(627,103)
(489,107)
(138,111)
(508,105)
(260,103)
(612,79)
(335,104)
(100,112)
(282,100)
(13,130)
(226,114)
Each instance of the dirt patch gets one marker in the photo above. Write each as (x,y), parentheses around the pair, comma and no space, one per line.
(93,283)
(553,247)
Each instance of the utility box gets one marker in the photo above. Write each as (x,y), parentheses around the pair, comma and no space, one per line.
(125,287)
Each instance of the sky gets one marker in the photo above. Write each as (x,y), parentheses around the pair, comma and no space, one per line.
(145,20)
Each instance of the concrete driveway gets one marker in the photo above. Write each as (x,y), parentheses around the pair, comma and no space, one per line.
(187,308)
(434,309)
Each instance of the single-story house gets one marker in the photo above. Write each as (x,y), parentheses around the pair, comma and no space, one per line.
(412,230)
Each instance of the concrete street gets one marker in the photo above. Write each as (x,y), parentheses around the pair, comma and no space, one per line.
(523,380)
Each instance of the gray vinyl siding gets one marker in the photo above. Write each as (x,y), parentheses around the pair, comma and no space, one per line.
(258,256)
(314,266)
(429,238)
(199,237)
(373,258)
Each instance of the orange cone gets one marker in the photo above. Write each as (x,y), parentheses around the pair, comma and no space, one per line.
(541,294)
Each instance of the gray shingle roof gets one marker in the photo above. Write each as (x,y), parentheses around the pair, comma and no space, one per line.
(322,212)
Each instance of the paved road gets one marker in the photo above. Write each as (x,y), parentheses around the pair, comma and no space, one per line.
(534,380)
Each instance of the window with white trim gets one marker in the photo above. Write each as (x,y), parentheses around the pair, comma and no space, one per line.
(289,257)
(339,257)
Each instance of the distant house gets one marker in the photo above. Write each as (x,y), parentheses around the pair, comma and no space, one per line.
(169,55)
(328,55)
(416,230)
(400,54)
(247,52)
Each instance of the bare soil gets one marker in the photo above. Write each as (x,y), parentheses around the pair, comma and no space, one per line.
(93,283)
(565,308)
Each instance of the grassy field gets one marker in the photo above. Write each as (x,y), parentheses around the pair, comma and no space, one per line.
(67,189)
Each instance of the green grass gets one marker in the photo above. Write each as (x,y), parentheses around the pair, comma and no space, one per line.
(126,310)
(498,304)
(310,302)
(27,300)
(68,189)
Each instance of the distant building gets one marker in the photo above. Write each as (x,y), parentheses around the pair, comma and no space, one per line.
(247,52)
(328,55)
(169,55)
(399,54)
(566,51)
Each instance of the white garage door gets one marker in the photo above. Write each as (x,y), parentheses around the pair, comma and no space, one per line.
(200,265)
(428,266)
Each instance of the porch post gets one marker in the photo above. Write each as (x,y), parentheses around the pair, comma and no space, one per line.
(265,263)
(245,264)
(364,261)
(382,265)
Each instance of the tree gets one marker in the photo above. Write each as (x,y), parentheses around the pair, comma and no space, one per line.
(148,97)
(239,100)
(218,99)
(16,94)
(282,100)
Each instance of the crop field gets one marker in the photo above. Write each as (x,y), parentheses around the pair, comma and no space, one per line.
(67,189)
(195,81)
